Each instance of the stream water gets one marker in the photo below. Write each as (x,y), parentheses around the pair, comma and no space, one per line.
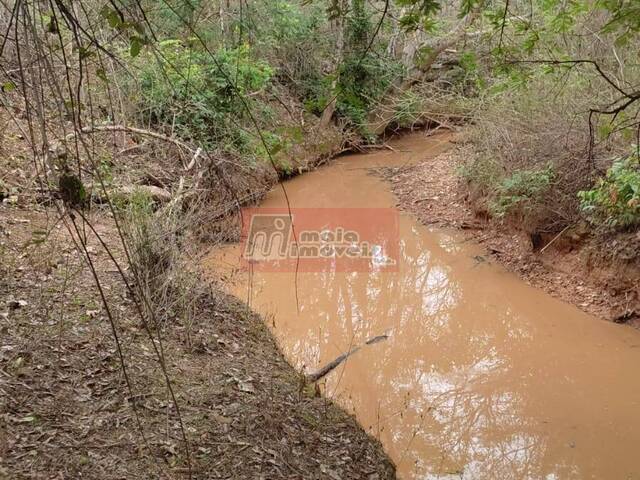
(481,376)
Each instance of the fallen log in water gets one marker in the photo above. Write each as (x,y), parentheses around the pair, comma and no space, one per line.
(329,367)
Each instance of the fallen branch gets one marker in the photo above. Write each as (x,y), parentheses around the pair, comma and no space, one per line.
(137,131)
(329,367)
(193,160)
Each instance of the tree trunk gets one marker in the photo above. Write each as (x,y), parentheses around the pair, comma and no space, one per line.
(381,116)
(339,24)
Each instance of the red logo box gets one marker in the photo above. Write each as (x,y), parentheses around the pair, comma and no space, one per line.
(320,239)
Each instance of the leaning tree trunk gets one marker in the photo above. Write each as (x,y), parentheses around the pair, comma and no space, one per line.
(382,116)
(338,25)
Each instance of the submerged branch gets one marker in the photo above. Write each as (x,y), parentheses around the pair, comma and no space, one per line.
(329,367)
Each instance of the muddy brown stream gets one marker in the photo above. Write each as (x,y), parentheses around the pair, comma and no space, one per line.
(481,376)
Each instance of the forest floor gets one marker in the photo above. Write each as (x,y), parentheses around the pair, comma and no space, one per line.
(575,270)
(66,408)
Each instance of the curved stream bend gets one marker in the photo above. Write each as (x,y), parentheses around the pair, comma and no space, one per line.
(482,376)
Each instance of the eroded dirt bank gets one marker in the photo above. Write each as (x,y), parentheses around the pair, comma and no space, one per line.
(572,268)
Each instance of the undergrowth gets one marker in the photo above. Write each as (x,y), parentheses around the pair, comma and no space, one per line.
(186,91)
(518,193)
(614,202)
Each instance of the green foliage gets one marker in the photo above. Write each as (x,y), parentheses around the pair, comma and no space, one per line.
(170,20)
(105,171)
(521,194)
(419,12)
(473,79)
(364,76)
(294,36)
(362,82)
(290,23)
(151,242)
(522,191)
(469,61)
(136,206)
(190,90)
(276,144)
(129,27)
(615,200)
(483,174)
(625,17)
(72,190)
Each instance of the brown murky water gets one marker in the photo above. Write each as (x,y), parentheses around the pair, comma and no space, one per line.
(482,376)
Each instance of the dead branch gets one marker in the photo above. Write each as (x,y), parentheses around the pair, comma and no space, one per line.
(138,131)
(329,367)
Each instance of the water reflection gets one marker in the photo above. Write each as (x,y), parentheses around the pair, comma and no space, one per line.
(481,377)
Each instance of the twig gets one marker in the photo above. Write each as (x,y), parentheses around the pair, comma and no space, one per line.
(554,239)
(134,130)
(576,62)
(194,159)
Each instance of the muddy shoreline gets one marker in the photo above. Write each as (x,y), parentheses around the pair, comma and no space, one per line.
(67,411)
(574,273)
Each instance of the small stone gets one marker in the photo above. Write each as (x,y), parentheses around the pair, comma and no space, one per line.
(246,387)
(16,304)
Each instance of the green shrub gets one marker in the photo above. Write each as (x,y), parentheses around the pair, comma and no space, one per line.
(135,204)
(522,191)
(364,76)
(615,200)
(292,35)
(363,81)
(482,174)
(184,89)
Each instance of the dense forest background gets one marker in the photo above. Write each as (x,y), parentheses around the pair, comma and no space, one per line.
(549,88)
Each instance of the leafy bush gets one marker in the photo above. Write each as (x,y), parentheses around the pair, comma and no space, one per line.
(530,124)
(364,76)
(362,82)
(291,35)
(522,191)
(189,90)
(482,174)
(615,200)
